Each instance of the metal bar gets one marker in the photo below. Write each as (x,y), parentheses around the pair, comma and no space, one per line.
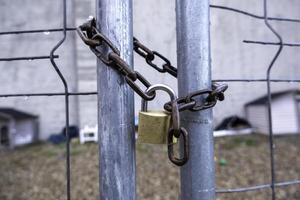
(258,80)
(254,15)
(269,105)
(46,31)
(271,43)
(48,94)
(95,92)
(66,94)
(116,106)
(194,73)
(258,187)
(28,58)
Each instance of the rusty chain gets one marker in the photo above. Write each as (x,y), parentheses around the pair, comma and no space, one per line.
(188,102)
(95,40)
(149,56)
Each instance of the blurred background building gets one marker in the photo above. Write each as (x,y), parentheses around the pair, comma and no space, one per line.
(154,25)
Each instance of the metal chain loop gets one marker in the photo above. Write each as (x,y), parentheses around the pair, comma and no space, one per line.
(189,102)
(105,50)
(185,103)
(171,155)
(94,39)
(150,55)
(142,50)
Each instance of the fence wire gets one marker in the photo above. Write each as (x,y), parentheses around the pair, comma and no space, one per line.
(268,80)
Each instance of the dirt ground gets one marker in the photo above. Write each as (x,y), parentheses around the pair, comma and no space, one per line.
(38,171)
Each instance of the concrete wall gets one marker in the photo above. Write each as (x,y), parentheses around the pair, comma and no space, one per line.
(86,63)
(37,75)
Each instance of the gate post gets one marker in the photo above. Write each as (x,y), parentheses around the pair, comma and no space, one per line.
(116,106)
(194,73)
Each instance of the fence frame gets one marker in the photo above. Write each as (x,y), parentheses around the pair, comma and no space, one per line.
(52,57)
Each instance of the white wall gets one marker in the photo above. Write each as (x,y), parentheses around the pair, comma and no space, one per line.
(257,115)
(25,131)
(284,116)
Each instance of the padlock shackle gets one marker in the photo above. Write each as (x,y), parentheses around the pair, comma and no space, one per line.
(152,88)
(175,112)
(185,146)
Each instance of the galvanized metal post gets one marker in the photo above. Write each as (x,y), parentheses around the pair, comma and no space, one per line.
(116,106)
(194,73)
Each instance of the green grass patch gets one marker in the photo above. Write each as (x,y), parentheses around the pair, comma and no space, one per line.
(238,141)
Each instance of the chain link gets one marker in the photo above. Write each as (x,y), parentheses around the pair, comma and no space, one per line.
(185,146)
(150,55)
(189,102)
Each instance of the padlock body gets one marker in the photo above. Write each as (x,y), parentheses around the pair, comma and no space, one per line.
(153,127)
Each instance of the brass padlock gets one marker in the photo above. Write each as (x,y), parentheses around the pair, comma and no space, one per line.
(154,125)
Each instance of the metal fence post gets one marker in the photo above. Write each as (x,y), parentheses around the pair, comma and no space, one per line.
(194,73)
(116,106)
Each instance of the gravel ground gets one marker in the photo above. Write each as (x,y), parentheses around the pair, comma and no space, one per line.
(37,171)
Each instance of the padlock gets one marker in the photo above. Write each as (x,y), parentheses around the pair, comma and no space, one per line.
(154,125)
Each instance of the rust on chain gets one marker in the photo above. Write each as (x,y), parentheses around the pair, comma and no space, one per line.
(185,157)
(94,39)
(182,104)
(152,64)
(120,65)
(167,67)
(218,91)
(137,89)
(131,76)
(111,56)
(86,32)
(189,102)
(150,55)
(142,50)
(105,50)
(202,105)
(175,118)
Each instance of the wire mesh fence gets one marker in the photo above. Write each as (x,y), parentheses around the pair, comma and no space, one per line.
(281,44)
